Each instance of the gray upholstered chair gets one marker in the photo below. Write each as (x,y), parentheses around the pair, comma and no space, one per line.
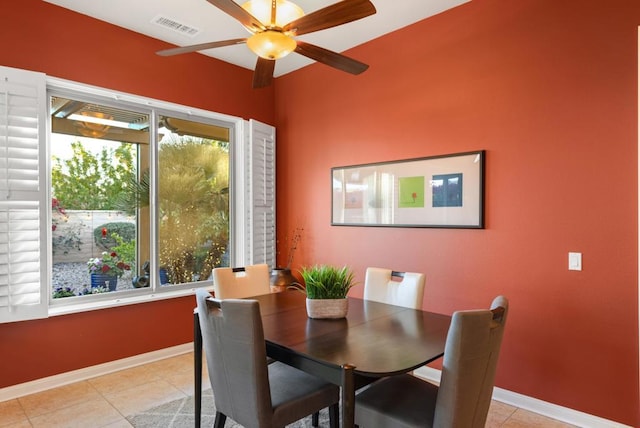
(228,283)
(380,286)
(245,388)
(462,400)
(238,283)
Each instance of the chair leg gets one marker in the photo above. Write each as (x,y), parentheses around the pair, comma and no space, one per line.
(334,415)
(197,368)
(315,419)
(221,418)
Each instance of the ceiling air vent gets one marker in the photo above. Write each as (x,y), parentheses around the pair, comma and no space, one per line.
(174,25)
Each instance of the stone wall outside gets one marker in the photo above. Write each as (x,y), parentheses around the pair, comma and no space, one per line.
(80,225)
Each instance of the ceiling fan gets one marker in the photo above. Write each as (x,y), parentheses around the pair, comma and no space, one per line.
(275,23)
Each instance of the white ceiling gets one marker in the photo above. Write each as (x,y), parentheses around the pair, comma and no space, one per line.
(214,25)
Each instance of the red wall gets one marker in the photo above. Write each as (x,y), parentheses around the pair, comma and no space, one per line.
(60,344)
(39,36)
(549,89)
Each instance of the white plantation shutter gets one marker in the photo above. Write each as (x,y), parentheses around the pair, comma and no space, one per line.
(260,203)
(23,260)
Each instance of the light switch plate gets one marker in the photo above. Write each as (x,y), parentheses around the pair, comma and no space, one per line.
(575,261)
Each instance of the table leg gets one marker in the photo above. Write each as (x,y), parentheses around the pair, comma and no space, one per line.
(348,396)
(197,368)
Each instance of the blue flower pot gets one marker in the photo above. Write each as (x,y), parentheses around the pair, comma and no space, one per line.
(164,276)
(101,279)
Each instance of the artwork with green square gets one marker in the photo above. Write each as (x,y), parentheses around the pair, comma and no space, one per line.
(411,192)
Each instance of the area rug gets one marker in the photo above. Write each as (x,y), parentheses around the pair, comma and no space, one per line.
(180,414)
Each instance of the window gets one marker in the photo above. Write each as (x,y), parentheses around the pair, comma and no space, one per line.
(99,226)
(150,195)
(193,199)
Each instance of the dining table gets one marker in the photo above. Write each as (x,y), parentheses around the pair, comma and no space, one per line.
(374,340)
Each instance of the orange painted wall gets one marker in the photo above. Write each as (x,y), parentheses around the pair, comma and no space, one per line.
(41,348)
(549,89)
(38,36)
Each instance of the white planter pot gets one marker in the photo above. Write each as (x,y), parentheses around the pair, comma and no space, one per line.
(327,308)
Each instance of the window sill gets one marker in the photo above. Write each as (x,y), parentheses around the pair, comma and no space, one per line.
(123,301)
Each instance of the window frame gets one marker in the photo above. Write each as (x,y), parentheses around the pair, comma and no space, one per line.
(240,182)
(154,108)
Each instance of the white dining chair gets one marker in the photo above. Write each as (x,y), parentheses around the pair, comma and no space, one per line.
(241,282)
(394,288)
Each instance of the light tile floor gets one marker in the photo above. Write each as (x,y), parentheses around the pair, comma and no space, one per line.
(105,401)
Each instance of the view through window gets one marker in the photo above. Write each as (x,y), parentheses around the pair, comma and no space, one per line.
(104,218)
(193,199)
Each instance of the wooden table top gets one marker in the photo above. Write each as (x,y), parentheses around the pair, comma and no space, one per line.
(378,339)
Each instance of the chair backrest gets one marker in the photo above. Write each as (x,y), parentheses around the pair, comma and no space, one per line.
(238,283)
(469,366)
(380,286)
(236,357)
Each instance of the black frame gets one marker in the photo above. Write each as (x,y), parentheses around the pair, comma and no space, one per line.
(400,193)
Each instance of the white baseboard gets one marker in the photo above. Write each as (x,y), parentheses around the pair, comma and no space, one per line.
(564,414)
(62,379)
(554,411)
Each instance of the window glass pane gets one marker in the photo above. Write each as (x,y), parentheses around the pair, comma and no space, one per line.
(97,152)
(193,199)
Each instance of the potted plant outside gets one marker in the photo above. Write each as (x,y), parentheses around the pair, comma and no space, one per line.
(326,288)
(106,270)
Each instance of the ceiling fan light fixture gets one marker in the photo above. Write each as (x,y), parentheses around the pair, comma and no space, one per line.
(286,11)
(271,44)
(273,24)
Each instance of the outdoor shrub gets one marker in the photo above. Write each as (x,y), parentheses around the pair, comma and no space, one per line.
(60,292)
(126,249)
(127,231)
(67,239)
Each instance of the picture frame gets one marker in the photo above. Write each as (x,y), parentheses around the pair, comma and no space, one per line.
(445,191)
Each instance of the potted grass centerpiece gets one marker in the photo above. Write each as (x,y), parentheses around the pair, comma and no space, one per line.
(326,288)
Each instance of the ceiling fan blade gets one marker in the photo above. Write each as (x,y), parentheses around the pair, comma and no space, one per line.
(236,11)
(200,47)
(263,75)
(330,58)
(331,16)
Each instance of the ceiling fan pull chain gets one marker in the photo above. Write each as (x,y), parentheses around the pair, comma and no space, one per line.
(273,13)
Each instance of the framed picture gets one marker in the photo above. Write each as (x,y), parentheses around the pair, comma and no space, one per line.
(436,191)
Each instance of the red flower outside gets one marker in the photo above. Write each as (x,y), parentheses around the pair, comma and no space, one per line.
(110,263)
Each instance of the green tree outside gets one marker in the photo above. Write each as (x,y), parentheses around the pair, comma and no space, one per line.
(194,206)
(90,182)
(193,196)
